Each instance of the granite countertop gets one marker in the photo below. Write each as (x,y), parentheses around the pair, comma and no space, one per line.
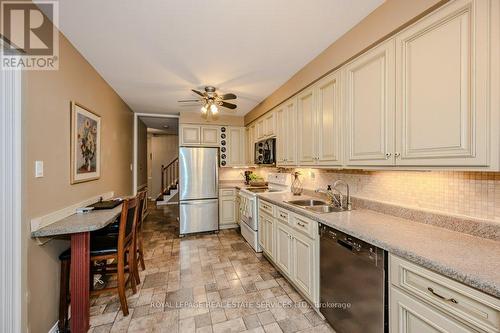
(472,260)
(76,223)
(231,184)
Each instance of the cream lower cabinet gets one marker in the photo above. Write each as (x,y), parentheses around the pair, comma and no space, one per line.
(286,134)
(283,253)
(319,123)
(409,315)
(228,209)
(266,233)
(424,301)
(296,248)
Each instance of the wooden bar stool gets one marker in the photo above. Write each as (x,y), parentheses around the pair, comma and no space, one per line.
(121,249)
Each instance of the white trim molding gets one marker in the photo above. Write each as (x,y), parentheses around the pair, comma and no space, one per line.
(135,162)
(10,201)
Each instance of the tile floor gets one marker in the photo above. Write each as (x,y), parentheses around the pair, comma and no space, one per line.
(205,283)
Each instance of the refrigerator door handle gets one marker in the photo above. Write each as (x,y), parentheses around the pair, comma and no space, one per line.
(198,202)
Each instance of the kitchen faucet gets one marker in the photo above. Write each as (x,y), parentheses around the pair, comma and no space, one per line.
(330,193)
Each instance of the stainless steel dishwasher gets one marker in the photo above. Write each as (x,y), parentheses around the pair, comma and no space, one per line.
(353,283)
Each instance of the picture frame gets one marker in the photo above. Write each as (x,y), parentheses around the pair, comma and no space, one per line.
(85,144)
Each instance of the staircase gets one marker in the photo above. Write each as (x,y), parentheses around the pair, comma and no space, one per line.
(169,184)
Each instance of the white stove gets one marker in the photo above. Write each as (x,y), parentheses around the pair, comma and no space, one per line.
(249,224)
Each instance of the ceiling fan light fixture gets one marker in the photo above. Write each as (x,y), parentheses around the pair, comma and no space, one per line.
(214,109)
(204,109)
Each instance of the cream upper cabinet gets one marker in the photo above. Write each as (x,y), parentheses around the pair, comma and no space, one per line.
(236,146)
(210,135)
(319,123)
(442,87)
(269,124)
(306,120)
(328,120)
(190,135)
(199,135)
(250,142)
(369,107)
(259,129)
(286,134)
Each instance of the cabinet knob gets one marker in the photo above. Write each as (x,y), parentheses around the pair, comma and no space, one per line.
(387,155)
(397,154)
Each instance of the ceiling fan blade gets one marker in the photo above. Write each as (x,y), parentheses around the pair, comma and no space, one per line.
(228,105)
(198,92)
(226,97)
(189,100)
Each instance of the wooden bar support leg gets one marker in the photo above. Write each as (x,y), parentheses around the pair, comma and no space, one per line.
(79,282)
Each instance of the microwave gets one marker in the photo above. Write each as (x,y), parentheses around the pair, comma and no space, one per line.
(265,152)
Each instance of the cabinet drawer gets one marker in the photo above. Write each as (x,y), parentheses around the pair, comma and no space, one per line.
(305,225)
(266,207)
(453,298)
(227,192)
(283,215)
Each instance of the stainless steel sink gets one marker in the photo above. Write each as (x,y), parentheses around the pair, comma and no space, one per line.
(325,209)
(307,202)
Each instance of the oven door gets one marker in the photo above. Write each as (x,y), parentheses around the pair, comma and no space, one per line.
(247,206)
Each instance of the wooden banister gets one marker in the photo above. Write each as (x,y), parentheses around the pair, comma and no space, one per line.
(169,175)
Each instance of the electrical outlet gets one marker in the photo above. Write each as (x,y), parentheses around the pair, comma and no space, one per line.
(38,169)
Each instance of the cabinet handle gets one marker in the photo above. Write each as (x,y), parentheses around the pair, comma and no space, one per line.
(301,224)
(387,155)
(442,297)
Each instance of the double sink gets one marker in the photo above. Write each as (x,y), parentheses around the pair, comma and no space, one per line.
(317,206)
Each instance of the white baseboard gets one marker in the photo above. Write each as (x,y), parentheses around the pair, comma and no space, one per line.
(42,221)
(55,328)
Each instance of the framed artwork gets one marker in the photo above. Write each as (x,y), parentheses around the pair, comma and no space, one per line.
(85,144)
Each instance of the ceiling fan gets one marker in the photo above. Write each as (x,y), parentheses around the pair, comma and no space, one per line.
(211,101)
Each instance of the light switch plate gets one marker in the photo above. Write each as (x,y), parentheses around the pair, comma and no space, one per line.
(38,169)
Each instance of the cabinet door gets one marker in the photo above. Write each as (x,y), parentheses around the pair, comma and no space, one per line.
(190,135)
(227,210)
(250,144)
(369,107)
(409,315)
(210,135)
(290,131)
(259,127)
(270,235)
(442,88)
(261,233)
(236,146)
(328,130)
(306,122)
(283,255)
(304,264)
(269,124)
(281,135)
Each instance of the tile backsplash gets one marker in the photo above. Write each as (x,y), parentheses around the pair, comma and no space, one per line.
(474,194)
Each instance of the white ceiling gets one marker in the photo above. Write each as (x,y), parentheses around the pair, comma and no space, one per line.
(164,125)
(153,52)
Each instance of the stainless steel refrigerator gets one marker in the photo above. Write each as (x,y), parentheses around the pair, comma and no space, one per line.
(198,189)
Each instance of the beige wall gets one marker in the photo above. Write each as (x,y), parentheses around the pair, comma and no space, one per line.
(222,119)
(388,18)
(142,154)
(164,149)
(46,135)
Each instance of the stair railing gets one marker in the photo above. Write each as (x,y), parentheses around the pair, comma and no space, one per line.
(169,175)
